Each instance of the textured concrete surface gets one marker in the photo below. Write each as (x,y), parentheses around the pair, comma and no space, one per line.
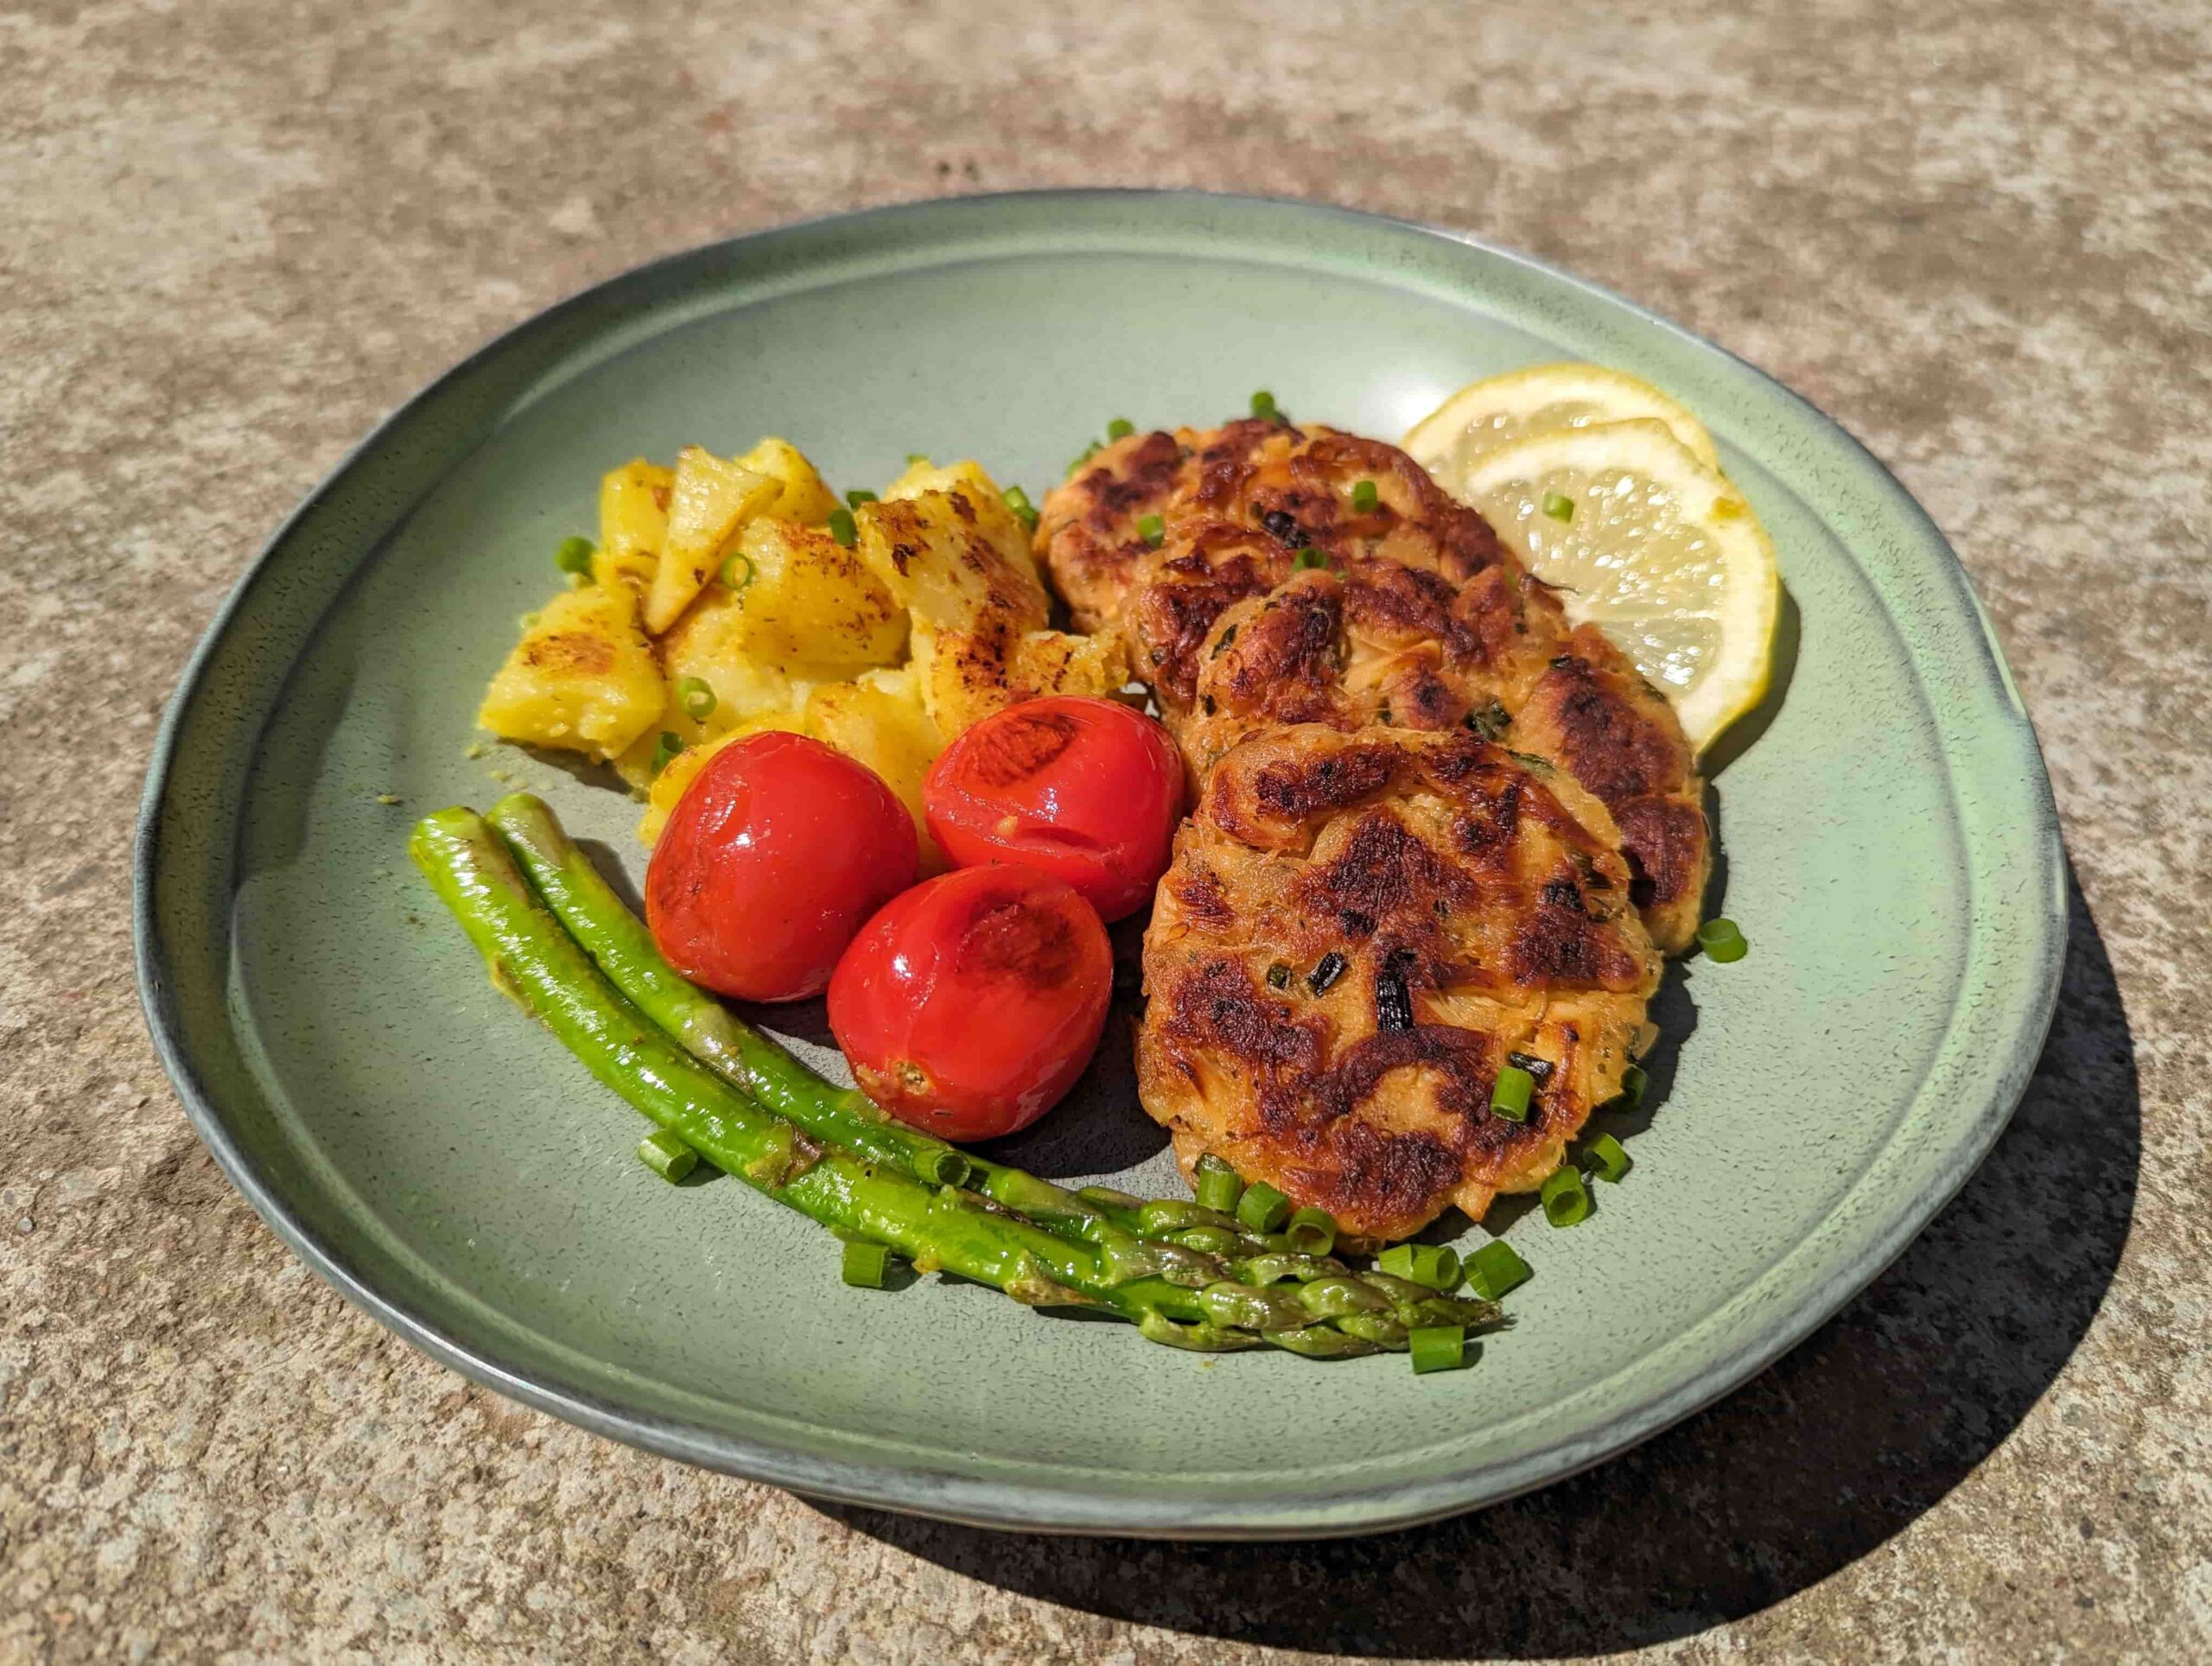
(236,234)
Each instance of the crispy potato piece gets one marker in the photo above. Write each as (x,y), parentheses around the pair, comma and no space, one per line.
(879,719)
(583,677)
(811,606)
(710,642)
(802,497)
(953,558)
(632,522)
(968,675)
(710,500)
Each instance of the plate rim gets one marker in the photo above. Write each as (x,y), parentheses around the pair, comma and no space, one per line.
(1041,1504)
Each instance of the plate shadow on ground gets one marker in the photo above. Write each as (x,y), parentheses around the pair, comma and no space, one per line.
(1830,1453)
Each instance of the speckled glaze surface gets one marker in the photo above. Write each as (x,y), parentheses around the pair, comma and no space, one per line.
(446,1166)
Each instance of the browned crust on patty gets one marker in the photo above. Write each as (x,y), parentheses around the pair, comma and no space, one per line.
(1495,903)
(1336,676)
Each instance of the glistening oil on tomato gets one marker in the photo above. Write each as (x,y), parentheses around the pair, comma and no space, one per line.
(1087,791)
(972,1003)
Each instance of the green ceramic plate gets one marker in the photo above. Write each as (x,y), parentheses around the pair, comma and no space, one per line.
(1891,853)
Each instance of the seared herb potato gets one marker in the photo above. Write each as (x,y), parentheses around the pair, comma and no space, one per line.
(709,500)
(809,605)
(721,603)
(583,678)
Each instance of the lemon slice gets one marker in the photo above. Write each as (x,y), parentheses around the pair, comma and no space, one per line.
(1655,549)
(1483,416)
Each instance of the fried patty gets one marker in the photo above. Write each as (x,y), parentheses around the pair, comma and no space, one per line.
(1272,598)
(1438,829)
(1359,931)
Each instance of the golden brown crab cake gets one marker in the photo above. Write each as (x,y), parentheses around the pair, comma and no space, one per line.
(1358,933)
(1280,592)
(1594,716)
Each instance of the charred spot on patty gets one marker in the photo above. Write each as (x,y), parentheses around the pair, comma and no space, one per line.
(1609,746)
(1664,840)
(1300,787)
(1217,1006)
(1147,474)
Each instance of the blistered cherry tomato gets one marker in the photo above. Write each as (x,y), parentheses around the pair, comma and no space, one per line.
(1089,790)
(972,1002)
(773,857)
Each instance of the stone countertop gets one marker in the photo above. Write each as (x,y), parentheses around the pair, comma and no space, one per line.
(1978,234)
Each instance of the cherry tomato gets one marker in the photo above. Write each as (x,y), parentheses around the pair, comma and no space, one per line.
(1089,790)
(972,1003)
(773,857)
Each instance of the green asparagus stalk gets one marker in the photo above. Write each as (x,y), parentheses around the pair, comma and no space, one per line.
(618,940)
(1136,1238)
(937,1226)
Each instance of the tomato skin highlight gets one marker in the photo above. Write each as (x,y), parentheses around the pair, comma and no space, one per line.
(972,1003)
(775,855)
(1089,790)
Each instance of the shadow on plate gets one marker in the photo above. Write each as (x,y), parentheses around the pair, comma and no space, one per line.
(1833,1451)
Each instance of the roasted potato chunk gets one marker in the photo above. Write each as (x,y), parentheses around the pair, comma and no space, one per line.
(953,558)
(710,500)
(583,677)
(877,718)
(632,522)
(801,495)
(811,606)
(711,642)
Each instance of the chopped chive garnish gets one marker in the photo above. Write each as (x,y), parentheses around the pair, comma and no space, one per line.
(1495,1269)
(667,1156)
(1558,508)
(1307,559)
(574,557)
(1721,940)
(916,459)
(867,1266)
(1279,976)
(664,750)
(842,527)
(1607,1158)
(1326,970)
(1509,1096)
(1566,1200)
(1262,1208)
(1436,1266)
(1365,497)
(697,698)
(1085,455)
(1311,1231)
(737,573)
(1120,428)
(1263,404)
(1024,511)
(1490,721)
(1634,1080)
(858,496)
(1152,529)
(1437,1347)
(1215,1184)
